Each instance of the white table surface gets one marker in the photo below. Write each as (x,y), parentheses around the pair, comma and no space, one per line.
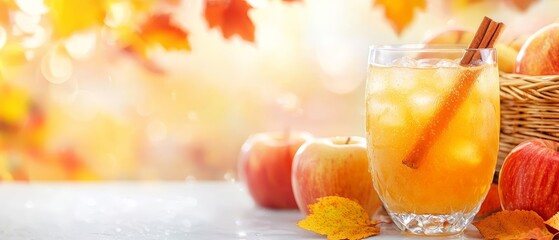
(138,211)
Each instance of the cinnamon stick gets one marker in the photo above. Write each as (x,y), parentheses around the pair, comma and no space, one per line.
(485,37)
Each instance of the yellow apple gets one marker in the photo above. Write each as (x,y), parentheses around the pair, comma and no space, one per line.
(333,167)
(540,53)
(506,57)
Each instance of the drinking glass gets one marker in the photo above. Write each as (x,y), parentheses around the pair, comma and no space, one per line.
(432,133)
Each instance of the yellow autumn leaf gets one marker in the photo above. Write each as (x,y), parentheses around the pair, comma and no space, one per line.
(400,13)
(517,224)
(553,221)
(339,218)
(70,16)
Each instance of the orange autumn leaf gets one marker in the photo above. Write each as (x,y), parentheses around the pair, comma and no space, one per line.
(553,221)
(400,13)
(517,224)
(70,16)
(339,218)
(231,16)
(157,30)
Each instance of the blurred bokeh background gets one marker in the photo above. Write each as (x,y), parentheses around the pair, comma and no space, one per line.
(169,90)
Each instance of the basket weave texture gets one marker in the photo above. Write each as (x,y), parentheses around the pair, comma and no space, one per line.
(529,109)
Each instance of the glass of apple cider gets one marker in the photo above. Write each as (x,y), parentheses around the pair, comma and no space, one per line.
(432,133)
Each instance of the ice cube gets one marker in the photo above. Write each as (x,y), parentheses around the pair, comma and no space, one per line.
(445,78)
(404,80)
(376,107)
(446,63)
(392,116)
(423,103)
(466,152)
(405,62)
(376,86)
(427,62)
(488,82)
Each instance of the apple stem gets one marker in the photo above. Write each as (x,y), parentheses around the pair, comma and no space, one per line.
(348,139)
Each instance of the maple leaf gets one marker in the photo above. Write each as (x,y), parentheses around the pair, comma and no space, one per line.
(157,30)
(339,218)
(400,13)
(231,16)
(553,221)
(517,224)
(69,16)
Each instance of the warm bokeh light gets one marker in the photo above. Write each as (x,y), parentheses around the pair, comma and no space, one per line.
(105,95)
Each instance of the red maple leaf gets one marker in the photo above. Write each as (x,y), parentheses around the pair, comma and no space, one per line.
(231,16)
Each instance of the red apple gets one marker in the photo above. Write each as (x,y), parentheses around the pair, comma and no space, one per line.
(265,165)
(529,178)
(540,53)
(333,166)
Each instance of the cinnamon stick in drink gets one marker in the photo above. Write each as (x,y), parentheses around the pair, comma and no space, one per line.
(485,37)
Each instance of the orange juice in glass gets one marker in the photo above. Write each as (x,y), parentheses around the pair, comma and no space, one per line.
(432,134)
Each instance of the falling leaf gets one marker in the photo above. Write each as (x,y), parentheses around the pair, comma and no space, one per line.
(400,13)
(517,224)
(553,221)
(339,218)
(231,16)
(158,30)
(70,16)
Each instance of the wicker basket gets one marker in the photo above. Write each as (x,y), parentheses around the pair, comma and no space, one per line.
(529,109)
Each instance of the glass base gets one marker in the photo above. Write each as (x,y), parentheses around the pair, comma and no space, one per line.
(427,224)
